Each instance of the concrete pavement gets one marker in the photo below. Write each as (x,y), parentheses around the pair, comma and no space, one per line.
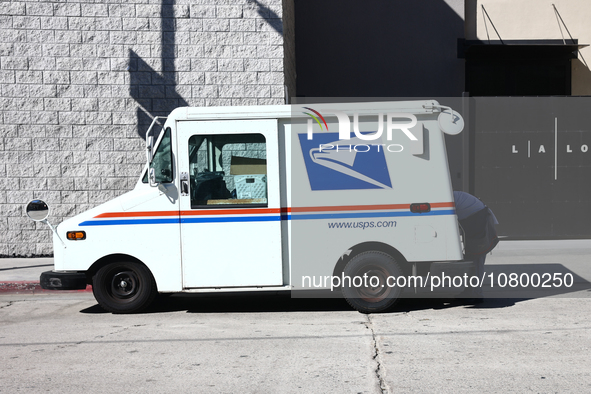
(21,275)
(264,343)
(269,344)
(23,269)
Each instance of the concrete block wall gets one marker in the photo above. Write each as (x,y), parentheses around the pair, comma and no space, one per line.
(80,82)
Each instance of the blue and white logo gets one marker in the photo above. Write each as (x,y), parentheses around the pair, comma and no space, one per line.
(334,164)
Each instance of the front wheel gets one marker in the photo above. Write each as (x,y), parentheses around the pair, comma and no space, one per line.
(367,287)
(124,287)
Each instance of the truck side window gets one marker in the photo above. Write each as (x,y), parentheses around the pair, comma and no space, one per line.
(162,161)
(229,170)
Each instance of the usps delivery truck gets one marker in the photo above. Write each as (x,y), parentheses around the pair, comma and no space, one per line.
(270,198)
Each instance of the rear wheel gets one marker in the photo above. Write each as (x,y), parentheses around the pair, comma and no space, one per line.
(368,290)
(124,287)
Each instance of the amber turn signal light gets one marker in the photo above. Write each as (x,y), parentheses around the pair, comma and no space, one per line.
(76,235)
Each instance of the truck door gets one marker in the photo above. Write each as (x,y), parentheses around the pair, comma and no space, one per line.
(230,210)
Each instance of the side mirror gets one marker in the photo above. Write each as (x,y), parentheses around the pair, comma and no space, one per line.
(37,210)
(450,121)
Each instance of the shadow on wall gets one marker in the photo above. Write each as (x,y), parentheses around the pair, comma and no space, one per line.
(349,48)
(155,92)
(269,16)
(581,78)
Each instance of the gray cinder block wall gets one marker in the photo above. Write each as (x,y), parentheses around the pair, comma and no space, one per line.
(80,82)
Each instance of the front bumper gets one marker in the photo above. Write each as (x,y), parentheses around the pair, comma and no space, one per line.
(51,280)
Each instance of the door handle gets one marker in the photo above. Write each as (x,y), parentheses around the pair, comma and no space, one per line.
(184,184)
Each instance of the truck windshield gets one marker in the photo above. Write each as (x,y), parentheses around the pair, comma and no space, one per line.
(162,161)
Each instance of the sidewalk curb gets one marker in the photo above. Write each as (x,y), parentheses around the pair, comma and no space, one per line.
(31,287)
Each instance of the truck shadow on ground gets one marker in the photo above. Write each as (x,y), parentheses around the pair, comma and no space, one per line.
(285,303)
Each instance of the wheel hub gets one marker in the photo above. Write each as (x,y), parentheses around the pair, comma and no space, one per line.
(377,288)
(124,284)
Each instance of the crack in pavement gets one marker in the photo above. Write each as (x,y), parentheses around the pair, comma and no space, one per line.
(119,330)
(8,303)
(90,341)
(379,371)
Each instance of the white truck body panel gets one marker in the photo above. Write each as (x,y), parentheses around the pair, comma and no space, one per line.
(196,248)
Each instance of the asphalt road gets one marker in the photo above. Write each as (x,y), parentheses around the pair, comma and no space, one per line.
(64,342)
(273,344)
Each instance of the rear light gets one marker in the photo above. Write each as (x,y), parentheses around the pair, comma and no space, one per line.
(76,235)
(422,207)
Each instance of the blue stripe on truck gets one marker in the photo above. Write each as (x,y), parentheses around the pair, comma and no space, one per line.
(229,219)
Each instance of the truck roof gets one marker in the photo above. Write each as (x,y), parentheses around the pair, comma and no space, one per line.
(293,110)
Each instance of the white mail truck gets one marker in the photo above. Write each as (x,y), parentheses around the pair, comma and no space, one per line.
(343,198)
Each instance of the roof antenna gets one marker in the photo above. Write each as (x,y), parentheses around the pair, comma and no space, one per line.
(570,35)
(491,22)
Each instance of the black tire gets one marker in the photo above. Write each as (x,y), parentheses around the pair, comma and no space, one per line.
(124,287)
(371,299)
